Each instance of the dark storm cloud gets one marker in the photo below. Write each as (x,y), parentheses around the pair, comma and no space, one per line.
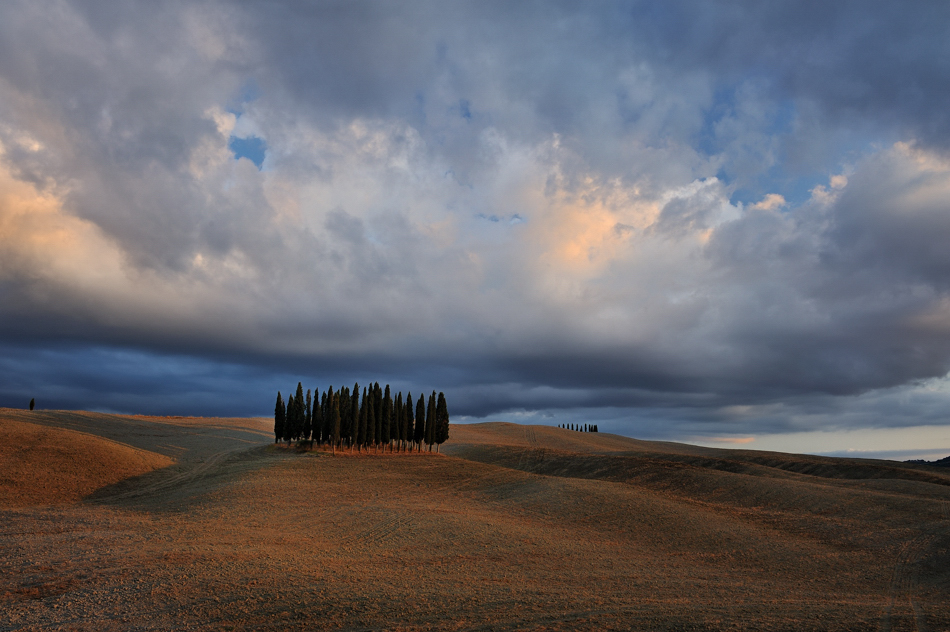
(151,266)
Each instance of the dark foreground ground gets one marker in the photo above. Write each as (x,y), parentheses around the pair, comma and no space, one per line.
(511,528)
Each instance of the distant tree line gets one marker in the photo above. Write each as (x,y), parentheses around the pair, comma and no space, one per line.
(343,419)
(579,427)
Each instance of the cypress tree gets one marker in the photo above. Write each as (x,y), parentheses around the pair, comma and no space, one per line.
(410,426)
(344,397)
(289,419)
(32,403)
(430,421)
(328,416)
(354,415)
(300,409)
(279,414)
(308,419)
(399,430)
(378,421)
(335,432)
(441,421)
(317,423)
(361,432)
(370,420)
(420,431)
(386,424)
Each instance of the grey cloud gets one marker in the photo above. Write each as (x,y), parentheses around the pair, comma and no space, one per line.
(358,249)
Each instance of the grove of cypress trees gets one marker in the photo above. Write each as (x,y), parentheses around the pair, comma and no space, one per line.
(279,414)
(441,421)
(382,418)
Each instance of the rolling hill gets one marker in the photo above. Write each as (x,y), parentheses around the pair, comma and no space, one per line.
(510,528)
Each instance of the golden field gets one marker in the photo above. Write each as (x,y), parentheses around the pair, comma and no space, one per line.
(142,523)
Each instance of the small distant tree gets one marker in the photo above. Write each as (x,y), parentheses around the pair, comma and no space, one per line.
(32,403)
(279,416)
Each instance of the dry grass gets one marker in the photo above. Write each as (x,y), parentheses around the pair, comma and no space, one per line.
(513,528)
(39,466)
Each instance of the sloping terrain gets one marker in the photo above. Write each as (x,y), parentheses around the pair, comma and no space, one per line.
(511,528)
(41,467)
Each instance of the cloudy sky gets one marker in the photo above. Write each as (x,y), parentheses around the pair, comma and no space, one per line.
(718,222)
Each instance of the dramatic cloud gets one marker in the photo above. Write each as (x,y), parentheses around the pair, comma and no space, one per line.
(683,220)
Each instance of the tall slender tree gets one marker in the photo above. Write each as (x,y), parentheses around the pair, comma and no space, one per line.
(410,427)
(386,424)
(279,414)
(289,418)
(361,432)
(378,421)
(344,413)
(328,416)
(308,419)
(300,408)
(441,422)
(420,431)
(370,419)
(354,416)
(430,421)
(398,427)
(335,433)
(318,406)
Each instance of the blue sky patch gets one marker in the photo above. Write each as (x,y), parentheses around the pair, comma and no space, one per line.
(252,148)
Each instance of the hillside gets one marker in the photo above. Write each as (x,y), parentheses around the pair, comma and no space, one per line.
(511,528)
(39,466)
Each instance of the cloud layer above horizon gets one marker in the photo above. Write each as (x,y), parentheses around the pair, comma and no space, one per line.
(684,218)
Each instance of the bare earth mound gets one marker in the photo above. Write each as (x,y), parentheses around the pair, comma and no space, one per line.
(40,467)
(510,528)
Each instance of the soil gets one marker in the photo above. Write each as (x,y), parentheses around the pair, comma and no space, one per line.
(509,528)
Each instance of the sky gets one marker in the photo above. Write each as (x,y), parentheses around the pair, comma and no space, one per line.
(726,223)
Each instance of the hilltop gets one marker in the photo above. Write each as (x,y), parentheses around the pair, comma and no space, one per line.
(512,527)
